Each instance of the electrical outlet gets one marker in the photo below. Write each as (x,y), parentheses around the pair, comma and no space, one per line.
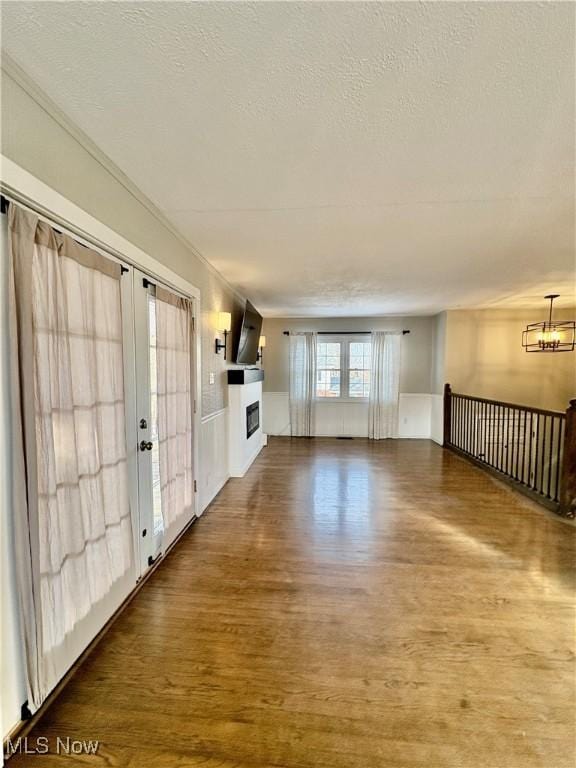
(211,377)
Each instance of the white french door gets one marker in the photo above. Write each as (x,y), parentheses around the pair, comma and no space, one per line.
(147,390)
(156,529)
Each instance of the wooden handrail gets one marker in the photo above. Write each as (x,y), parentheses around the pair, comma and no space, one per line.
(504,404)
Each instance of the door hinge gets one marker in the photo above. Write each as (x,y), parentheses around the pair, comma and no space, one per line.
(195,487)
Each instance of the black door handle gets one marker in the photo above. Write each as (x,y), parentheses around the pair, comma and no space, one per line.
(145,446)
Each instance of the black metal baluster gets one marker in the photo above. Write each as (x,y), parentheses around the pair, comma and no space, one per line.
(517,424)
(484,433)
(524,448)
(500,443)
(559,457)
(455,418)
(550,455)
(501,437)
(540,443)
(493,436)
(507,457)
(477,406)
(532,474)
(490,431)
(457,433)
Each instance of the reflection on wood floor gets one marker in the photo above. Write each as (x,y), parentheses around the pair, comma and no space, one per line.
(347,603)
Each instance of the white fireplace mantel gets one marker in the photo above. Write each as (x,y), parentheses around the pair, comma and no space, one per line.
(242,450)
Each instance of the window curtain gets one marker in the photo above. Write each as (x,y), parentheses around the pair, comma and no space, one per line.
(73,532)
(174,329)
(384,385)
(302,375)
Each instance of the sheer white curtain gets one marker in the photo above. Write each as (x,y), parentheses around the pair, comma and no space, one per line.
(302,374)
(384,385)
(71,504)
(174,328)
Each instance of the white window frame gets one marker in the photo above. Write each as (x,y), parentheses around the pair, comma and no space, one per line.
(344,341)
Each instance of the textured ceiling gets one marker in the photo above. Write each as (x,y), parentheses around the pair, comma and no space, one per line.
(334,158)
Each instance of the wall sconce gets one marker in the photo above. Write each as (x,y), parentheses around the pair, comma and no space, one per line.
(224,324)
(261,345)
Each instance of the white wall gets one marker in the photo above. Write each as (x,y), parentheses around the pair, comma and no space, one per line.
(214,453)
(345,419)
(334,419)
(484,357)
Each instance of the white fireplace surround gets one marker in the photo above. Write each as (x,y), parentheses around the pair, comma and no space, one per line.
(243,450)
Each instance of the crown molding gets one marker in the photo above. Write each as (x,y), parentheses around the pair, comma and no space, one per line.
(16,73)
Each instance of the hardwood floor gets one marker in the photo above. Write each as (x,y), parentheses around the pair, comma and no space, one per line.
(346,604)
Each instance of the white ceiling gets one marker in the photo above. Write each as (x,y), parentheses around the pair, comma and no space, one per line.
(334,158)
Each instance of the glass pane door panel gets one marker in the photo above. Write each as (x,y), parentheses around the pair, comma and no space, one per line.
(155,453)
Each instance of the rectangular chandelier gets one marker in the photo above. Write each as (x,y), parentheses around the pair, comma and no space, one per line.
(550,335)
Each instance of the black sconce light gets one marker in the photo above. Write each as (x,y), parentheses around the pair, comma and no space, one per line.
(224,325)
(261,345)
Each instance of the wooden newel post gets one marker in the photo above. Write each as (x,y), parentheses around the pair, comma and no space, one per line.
(447,414)
(568,476)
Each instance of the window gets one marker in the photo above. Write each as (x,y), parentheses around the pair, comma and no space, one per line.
(359,368)
(329,369)
(343,368)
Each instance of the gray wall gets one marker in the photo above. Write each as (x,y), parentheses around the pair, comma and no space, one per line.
(33,138)
(417,346)
(439,354)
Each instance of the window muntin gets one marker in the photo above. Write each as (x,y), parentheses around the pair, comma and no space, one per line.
(343,368)
(359,368)
(328,368)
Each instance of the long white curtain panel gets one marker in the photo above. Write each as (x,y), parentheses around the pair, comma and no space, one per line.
(302,372)
(72,512)
(384,385)
(174,329)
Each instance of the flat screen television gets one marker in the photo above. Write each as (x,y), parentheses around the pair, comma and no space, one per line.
(249,336)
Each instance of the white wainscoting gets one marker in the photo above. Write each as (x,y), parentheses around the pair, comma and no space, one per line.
(213,473)
(437,419)
(333,419)
(414,416)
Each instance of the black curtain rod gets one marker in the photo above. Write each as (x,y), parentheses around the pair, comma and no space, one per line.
(5,202)
(343,333)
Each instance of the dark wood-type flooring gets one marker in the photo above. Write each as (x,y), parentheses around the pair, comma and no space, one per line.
(347,604)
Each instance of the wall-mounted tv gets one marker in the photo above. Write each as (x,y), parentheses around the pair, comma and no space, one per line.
(249,336)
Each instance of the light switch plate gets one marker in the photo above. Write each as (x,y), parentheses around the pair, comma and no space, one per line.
(211,377)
